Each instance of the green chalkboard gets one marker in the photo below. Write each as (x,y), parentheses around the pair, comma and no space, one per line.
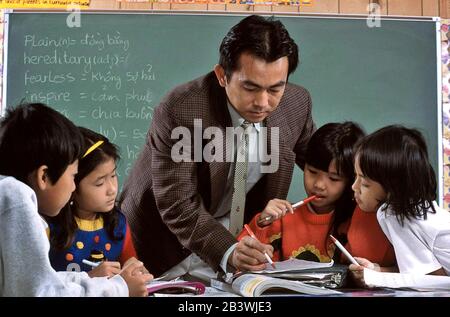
(111,72)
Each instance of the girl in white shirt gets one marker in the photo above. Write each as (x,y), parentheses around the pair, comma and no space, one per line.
(394,177)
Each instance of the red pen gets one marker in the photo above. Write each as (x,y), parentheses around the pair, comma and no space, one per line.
(250,232)
(304,201)
(301,202)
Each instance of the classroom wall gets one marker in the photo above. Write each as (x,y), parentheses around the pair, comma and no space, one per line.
(445,44)
(388,7)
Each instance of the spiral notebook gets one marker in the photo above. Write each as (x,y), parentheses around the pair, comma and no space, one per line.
(175,287)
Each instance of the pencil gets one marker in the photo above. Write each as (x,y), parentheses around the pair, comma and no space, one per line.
(301,202)
(90,263)
(346,253)
(250,232)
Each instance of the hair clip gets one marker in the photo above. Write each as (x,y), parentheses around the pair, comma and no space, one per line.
(93,147)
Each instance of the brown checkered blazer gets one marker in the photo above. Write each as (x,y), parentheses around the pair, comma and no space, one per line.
(169,205)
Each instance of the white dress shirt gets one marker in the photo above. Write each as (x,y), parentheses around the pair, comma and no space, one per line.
(421,246)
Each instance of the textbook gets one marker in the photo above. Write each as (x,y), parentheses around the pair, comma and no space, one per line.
(255,285)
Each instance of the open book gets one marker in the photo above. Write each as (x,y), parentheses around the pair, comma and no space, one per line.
(401,280)
(254,285)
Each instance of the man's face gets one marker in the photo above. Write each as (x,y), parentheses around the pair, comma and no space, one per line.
(255,90)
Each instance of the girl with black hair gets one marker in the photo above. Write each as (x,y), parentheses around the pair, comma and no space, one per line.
(394,178)
(328,174)
(91,227)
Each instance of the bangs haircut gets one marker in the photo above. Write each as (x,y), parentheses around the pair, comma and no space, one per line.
(334,141)
(397,158)
(101,154)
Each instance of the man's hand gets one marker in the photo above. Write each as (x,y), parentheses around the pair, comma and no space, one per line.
(249,255)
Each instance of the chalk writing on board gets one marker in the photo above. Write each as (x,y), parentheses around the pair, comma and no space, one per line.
(87,77)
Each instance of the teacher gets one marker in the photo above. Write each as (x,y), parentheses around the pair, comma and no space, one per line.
(219,148)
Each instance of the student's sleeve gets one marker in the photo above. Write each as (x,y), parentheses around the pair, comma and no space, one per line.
(26,269)
(441,249)
(128,250)
(95,286)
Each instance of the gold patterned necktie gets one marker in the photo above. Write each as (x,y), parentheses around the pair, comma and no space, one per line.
(239,182)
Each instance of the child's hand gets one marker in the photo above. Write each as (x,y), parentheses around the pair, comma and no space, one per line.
(141,270)
(357,271)
(249,255)
(137,283)
(106,268)
(275,209)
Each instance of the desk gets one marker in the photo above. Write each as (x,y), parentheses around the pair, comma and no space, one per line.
(389,292)
(373,293)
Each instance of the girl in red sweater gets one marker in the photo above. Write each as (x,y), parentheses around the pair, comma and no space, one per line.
(328,174)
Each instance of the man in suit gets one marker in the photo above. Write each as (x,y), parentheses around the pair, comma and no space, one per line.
(177,199)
